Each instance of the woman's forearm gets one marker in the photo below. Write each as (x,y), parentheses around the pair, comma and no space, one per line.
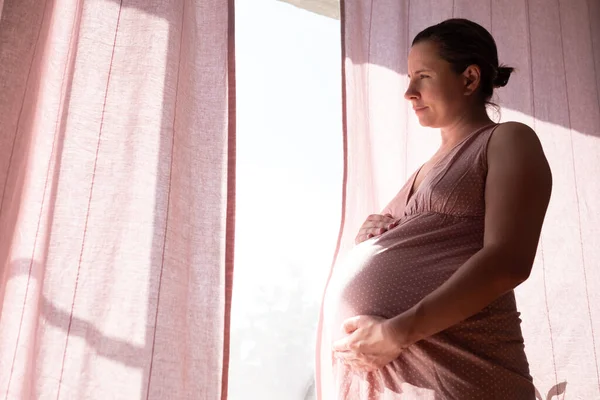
(486,276)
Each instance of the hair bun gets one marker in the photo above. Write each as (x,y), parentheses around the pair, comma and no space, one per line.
(502,75)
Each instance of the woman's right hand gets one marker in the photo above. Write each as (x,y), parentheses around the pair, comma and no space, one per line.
(375,225)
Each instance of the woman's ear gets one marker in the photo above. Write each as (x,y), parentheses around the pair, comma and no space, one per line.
(472,79)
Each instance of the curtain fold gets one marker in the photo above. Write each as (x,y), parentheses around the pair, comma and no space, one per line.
(117,162)
(555,48)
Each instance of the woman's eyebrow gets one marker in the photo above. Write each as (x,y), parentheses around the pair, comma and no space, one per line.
(421,70)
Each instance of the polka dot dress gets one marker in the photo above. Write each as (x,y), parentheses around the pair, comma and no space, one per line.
(441,227)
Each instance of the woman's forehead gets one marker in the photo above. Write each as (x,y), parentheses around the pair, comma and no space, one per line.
(423,52)
(424,55)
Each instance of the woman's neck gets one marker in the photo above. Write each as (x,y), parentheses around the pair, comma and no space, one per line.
(464,126)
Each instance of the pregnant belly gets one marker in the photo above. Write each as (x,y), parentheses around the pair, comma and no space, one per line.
(388,275)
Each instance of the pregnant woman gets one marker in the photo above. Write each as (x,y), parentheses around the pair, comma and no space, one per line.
(423,307)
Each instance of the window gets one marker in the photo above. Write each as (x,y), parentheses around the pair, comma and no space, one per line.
(289,187)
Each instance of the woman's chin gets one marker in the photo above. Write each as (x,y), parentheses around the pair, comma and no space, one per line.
(425,122)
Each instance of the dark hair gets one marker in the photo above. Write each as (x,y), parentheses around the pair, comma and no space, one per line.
(462,43)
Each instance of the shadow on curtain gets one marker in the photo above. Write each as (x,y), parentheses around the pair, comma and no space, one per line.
(117,163)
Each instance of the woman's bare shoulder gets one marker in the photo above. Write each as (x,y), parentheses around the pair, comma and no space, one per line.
(514,128)
(517,138)
(515,146)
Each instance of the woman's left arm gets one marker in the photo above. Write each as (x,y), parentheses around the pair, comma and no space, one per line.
(517,194)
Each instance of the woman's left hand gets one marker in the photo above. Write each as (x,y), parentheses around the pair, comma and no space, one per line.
(371,343)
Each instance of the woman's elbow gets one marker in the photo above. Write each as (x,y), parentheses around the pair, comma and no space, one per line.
(515,268)
(518,270)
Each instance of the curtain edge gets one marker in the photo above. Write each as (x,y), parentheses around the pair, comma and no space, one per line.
(231,184)
(344,196)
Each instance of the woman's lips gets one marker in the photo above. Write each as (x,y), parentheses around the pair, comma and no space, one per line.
(418,109)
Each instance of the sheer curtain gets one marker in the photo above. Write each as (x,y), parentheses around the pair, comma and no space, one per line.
(555,48)
(116,198)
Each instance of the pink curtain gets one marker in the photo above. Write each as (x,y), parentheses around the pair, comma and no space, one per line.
(116,198)
(555,47)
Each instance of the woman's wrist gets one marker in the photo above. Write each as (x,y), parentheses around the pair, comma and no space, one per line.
(405,327)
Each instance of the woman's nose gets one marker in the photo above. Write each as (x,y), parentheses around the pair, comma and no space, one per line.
(411,93)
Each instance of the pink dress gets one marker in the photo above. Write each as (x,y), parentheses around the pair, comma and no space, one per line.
(441,227)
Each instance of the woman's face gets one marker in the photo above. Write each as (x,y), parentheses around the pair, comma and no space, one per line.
(437,93)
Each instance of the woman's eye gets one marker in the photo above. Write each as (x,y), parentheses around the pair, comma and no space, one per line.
(423,76)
